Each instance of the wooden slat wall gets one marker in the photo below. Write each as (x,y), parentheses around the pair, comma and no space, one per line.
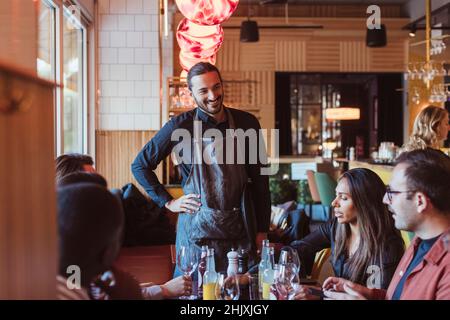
(284,53)
(229,57)
(354,56)
(115,151)
(323,56)
(259,56)
(28,230)
(390,58)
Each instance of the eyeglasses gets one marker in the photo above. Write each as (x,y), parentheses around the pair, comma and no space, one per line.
(390,192)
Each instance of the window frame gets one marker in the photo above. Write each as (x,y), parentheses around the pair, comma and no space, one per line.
(60,8)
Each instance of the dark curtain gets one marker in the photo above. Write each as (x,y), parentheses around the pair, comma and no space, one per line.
(283,112)
(390,108)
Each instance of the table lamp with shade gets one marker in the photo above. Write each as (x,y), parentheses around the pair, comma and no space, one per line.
(339,114)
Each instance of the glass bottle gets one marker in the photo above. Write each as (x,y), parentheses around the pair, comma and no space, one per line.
(268,274)
(210,277)
(263,263)
(201,271)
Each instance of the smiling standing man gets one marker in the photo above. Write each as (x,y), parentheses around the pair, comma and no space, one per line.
(209,211)
(418,196)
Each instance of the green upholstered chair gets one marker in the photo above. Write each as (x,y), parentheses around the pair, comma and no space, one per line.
(326,187)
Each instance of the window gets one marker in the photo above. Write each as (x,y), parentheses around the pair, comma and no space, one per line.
(66,64)
(46,67)
(74,63)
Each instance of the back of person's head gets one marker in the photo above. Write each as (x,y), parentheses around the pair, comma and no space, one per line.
(375,223)
(199,69)
(425,128)
(79,177)
(428,171)
(72,162)
(90,223)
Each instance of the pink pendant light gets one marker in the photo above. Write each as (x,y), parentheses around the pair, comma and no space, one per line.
(201,41)
(187,60)
(207,12)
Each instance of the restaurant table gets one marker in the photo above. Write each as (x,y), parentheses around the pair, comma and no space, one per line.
(147,264)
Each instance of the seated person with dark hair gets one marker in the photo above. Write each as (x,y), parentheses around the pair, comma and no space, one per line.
(418,196)
(365,245)
(79,177)
(90,225)
(73,162)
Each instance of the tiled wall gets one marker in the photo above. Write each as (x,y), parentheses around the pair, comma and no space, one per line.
(128,52)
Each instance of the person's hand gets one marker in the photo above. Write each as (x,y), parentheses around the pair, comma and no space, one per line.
(334,283)
(348,294)
(338,288)
(188,203)
(177,287)
(305,293)
(243,278)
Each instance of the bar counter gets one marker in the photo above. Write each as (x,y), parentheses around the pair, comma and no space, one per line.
(384,171)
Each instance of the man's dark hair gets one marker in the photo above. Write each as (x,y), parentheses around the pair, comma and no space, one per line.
(428,171)
(90,220)
(72,162)
(79,177)
(199,69)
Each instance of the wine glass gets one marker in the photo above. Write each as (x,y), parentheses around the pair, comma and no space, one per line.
(227,287)
(416,97)
(187,260)
(289,257)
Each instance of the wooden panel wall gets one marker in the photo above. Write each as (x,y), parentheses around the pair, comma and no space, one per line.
(19,33)
(338,47)
(115,151)
(284,53)
(354,56)
(28,230)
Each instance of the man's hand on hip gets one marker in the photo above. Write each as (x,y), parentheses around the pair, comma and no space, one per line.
(188,203)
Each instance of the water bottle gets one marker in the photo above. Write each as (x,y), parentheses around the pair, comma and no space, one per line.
(201,271)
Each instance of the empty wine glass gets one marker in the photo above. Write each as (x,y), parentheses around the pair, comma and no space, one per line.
(227,287)
(187,260)
(414,72)
(442,72)
(407,74)
(415,97)
(422,72)
(287,282)
(289,256)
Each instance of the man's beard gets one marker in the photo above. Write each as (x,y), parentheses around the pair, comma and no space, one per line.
(205,108)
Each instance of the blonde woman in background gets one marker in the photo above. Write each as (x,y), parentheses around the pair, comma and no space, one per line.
(430,129)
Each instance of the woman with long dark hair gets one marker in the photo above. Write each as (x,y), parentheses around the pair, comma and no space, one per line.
(366,246)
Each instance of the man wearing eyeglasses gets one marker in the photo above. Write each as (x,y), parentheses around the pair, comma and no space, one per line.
(419,198)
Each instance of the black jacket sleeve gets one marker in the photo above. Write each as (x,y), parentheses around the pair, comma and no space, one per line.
(156,150)
(260,181)
(313,243)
